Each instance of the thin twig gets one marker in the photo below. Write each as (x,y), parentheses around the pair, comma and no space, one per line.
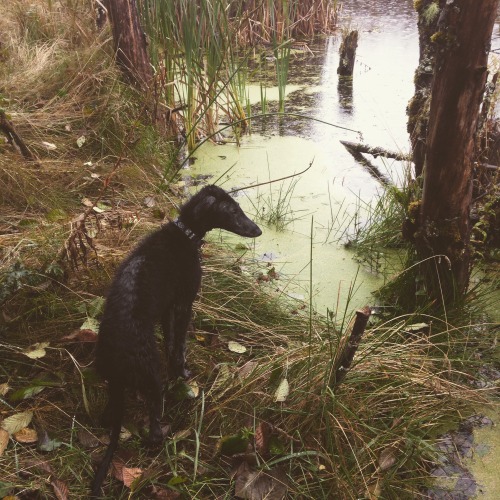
(274,180)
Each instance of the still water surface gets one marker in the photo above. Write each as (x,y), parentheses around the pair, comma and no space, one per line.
(323,201)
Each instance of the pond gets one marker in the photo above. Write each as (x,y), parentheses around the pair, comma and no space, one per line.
(323,207)
(327,202)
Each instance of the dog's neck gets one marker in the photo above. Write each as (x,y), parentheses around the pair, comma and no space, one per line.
(192,236)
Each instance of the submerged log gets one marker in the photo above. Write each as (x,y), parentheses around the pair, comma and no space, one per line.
(375,151)
(372,169)
(344,359)
(347,53)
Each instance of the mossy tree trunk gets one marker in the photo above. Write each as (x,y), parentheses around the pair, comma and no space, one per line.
(464,37)
(130,43)
(418,108)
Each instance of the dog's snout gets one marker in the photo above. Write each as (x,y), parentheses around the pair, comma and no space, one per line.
(248,228)
(257,231)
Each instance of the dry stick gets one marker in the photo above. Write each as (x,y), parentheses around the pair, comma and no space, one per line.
(13,137)
(344,361)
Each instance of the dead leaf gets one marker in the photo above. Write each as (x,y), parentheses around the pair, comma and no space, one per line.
(247,369)
(282,391)
(4,389)
(26,436)
(4,440)
(180,435)
(127,475)
(87,202)
(130,475)
(49,145)
(87,439)
(60,488)
(387,458)
(236,347)
(260,485)
(17,422)
(149,201)
(36,351)
(81,336)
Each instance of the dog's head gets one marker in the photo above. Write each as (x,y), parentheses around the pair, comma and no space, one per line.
(213,208)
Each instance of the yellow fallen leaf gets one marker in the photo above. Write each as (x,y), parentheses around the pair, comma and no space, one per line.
(17,422)
(37,350)
(236,347)
(282,391)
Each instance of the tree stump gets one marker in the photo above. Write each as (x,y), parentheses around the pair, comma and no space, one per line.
(347,53)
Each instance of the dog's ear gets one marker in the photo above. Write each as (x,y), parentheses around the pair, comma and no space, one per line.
(204,205)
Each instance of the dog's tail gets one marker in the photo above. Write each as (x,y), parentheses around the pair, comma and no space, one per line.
(117,418)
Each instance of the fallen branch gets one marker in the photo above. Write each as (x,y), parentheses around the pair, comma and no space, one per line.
(344,360)
(372,169)
(13,137)
(375,151)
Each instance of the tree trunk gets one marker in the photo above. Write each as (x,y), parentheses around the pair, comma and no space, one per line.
(418,108)
(130,43)
(348,54)
(464,37)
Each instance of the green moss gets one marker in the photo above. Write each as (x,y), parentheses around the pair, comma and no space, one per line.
(418,4)
(414,210)
(444,39)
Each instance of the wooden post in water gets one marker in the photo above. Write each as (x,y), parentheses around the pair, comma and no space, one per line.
(347,53)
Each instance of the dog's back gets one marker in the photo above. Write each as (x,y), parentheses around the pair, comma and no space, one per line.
(163,269)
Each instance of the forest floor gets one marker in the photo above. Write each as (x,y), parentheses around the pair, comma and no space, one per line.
(260,417)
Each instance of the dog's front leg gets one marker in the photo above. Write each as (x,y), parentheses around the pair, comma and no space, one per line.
(175,323)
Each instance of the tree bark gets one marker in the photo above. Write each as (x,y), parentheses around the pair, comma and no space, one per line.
(418,108)
(464,38)
(130,43)
(346,355)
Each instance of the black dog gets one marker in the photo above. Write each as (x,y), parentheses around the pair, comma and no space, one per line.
(157,283)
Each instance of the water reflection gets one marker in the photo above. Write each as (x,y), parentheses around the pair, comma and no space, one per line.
(345,92)
(372,102)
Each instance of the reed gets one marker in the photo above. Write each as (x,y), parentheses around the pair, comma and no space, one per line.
(200,51)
